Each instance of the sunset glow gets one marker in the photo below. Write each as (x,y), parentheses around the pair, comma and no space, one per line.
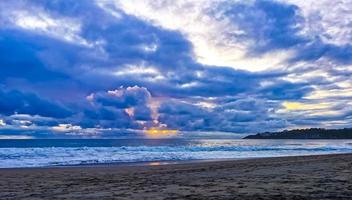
(303,106)
(161,133)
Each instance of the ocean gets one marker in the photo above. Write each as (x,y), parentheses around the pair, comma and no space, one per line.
(17,153)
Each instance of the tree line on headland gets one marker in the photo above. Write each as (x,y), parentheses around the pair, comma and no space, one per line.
(311,133)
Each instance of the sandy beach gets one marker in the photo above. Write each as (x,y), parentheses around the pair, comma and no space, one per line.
(302,177)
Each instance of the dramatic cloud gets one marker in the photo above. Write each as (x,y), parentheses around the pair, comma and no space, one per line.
(124,107)
(16,102)
(111,68)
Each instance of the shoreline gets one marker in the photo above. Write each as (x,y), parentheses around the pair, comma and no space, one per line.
(293,177)
(161,162)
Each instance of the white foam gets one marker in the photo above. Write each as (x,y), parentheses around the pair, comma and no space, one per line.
(52,156)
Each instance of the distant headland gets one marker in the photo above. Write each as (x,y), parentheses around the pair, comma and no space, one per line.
(311,133)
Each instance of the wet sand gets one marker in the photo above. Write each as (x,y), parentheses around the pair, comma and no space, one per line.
(302,177)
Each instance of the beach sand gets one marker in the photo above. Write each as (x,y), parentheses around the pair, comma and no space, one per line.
(302,177)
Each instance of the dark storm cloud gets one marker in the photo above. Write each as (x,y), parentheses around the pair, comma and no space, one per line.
(89,69)
(318,49)
(13,101)
(273,26)
(180,114)
(283,90)
(20,53)
(109,109)
(244,115)
(123,98)
(123,42)
(73,78)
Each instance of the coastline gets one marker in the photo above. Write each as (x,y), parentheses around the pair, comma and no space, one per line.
(162,162)
(36,153)
(303,177)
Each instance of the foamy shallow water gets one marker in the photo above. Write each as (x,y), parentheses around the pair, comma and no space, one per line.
(40,153)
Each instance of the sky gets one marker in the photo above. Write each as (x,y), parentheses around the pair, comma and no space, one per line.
(113,68)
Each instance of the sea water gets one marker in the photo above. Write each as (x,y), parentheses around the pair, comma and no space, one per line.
(61,152)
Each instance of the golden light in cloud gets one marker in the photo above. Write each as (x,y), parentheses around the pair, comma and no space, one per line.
(305,106)
(312,109)
(158,133)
